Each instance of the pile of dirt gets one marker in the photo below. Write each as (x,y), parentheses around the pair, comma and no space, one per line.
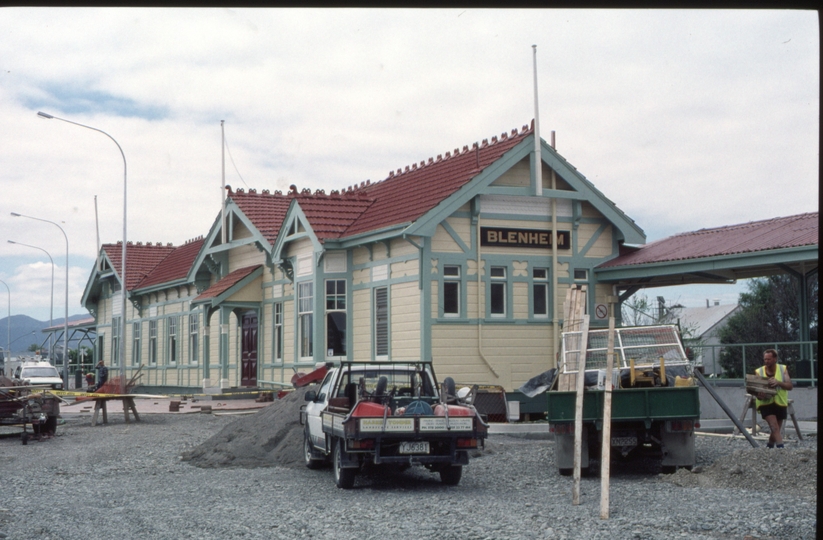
(779,469)
(271,437)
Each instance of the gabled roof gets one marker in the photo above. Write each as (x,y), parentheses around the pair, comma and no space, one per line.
(175,266)
(142,259)
(409,193)
(702,319)
(232,279)
(265,210)
(755,236)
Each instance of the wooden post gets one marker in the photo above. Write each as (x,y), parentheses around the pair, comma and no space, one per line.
(578,409)
(606,446)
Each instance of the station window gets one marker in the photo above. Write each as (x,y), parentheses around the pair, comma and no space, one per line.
(153,343)
(451,291)
(581,274)
(381,322)
(305,315)
(497,291)
(135,344)
(540,292)
(335,317)
(115,341)
(172,339)
(277,339)
(194,343)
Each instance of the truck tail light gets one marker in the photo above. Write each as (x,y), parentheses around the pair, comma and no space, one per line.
(561,429)
(467,443)
(361,444)
(681,426)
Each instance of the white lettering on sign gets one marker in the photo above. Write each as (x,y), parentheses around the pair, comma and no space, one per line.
(439,424)
(371,425)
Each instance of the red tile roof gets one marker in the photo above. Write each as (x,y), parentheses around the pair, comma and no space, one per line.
(265,210)
(142,258)
(226,283)
(777,233)
(403,197)
(175,266)
(408,194)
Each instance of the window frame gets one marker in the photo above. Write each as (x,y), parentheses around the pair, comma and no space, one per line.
(498,285)
(172,341)
(542,282)
(153,342)
(336,303)
(136,331)
(305,321)
(379,322)
(115,340)
(194,339)
(277,333)
(452,284)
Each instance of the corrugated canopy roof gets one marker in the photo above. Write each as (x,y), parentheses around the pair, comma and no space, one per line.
(720,254)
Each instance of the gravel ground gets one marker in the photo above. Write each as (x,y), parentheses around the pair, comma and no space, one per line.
(129,481)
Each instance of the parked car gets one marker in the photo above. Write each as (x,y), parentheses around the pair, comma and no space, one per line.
(38,373)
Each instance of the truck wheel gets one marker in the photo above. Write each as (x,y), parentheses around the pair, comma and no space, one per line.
(669,469)
(450,474)
(308,454)
(344,478)
(565,472)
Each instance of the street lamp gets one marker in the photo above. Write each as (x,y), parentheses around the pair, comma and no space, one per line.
(66,320)
(51,308)
(124,290)
(8,328)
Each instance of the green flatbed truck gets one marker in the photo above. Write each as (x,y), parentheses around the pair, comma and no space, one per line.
(654,410)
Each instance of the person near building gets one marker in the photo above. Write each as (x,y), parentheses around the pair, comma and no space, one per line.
(773,408)
(90,380)
(103,375)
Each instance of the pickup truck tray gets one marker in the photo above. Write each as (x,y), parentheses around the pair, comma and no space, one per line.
(628,404)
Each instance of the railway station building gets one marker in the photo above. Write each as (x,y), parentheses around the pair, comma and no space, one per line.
(452,259)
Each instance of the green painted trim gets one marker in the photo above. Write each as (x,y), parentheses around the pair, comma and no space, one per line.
(459,241)
(219,300)
(595,237)
(294,215)
(707,264)
(529,192)
(392,231)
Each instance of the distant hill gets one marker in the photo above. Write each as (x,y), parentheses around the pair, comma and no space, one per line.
(26,331)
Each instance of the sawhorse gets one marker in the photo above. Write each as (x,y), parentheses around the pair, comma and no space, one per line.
(100,404)
(751,404)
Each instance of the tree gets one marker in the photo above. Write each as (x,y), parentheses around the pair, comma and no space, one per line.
(769,313)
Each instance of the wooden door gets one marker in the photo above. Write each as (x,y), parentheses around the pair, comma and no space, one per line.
(248,373)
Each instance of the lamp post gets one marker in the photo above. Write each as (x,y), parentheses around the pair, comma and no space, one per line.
(51,307)
(8,330)
(66,319)
(123,282)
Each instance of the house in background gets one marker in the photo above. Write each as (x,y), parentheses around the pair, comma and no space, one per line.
(704,324)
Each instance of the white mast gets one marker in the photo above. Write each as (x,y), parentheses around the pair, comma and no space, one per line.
(223,186)
(538,161)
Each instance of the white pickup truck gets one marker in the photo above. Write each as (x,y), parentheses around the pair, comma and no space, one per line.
(390,412)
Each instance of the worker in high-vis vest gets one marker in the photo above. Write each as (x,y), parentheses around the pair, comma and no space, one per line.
(773,408)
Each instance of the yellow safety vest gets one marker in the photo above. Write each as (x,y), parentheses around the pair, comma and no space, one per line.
(781,399)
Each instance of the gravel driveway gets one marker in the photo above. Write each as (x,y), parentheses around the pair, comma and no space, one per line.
(128,481)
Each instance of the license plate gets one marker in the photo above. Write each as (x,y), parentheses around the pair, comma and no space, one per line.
(418,447)
(624,441)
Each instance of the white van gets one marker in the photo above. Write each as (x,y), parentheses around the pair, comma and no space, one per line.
(38,373)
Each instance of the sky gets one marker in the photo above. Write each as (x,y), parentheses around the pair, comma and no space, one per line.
(684,119)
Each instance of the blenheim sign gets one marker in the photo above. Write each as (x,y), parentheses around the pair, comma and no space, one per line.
(522,238)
